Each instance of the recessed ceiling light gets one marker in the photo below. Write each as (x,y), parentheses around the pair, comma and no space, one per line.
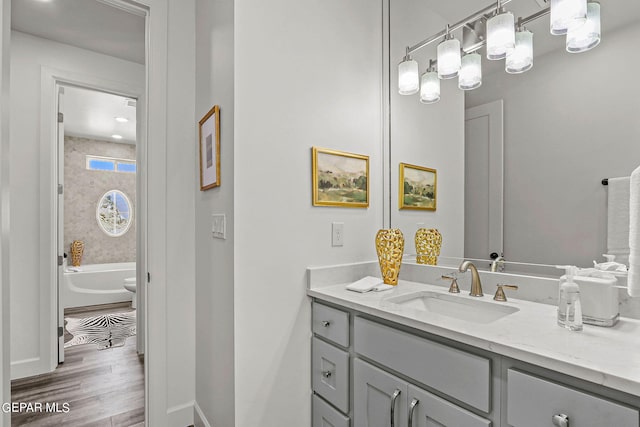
(116,136)
(121,119)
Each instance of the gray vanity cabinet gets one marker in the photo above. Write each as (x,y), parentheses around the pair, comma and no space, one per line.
(380,398)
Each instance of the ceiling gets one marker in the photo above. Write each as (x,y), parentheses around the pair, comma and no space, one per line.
(87,24)
(91,114)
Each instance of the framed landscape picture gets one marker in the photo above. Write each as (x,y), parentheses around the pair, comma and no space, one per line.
(209,147)
(340,179)
(417,187)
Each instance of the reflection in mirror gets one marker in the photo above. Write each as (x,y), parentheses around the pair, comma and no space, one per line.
(568,123)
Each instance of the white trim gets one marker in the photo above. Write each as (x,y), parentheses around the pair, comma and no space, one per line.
(199,416)
(181,415)
(23,368)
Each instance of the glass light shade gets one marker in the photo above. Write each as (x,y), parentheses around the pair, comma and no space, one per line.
(408,77)
(567,15)
(430,88)
(501,38)
(586,37)
(521,59)
(449,60)
(470,76)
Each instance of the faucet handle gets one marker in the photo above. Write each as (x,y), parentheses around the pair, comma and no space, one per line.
(500,295)
(454,289)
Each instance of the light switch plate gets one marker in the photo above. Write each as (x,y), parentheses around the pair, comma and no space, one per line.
(219,227)
(337,234)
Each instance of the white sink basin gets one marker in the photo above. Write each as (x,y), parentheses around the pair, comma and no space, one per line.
(454,306)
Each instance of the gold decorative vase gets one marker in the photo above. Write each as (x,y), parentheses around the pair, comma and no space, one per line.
(390,247)
(428,244)
(77,249)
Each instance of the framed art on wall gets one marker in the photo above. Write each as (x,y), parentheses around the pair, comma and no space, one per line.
(417,187)
(340,178)
(209,147)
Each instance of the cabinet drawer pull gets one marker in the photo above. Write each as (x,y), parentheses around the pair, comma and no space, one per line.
(412,407)
(394,397)
(326,374)
(326,323)
(560,420)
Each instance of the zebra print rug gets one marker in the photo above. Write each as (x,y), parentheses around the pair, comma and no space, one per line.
(106,331)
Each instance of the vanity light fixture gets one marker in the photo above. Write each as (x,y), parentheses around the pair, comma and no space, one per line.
(582,25)
(408,77)
(567,15)
(501,37)
(521,59)
(116,136)
(430,85)
(121,119)
(449,61)
(587,36)
(471,72)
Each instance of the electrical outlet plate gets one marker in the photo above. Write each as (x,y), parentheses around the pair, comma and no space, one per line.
(337,234)
(219,226)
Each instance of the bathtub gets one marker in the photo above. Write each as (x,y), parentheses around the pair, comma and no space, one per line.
(96,284)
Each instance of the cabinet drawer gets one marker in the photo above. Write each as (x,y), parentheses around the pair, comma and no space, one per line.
(433,410)
(325,415)
(459,374)
(533,402)
(331,324)
(330,374)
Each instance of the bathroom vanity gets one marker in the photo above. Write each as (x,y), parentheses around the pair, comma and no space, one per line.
(418,356)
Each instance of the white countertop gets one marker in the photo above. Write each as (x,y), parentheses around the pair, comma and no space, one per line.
(606,356)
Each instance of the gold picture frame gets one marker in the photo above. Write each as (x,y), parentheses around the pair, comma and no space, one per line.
(418,188)
(340,178)
(209,148)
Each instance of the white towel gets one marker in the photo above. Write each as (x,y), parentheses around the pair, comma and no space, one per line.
(618,218)
(365,284)
(633,281)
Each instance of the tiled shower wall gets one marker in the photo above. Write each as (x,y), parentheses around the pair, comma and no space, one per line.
(84,189)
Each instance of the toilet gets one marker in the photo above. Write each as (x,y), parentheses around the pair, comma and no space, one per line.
(130,285)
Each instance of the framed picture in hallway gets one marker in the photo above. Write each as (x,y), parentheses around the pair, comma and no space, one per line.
(340,179)
(209,147)
(417,187)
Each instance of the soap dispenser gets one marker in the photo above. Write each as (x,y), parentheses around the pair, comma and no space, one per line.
(569,306)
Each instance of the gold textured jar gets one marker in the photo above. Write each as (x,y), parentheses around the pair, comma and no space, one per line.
(390,247)
(428,244)
(77,249)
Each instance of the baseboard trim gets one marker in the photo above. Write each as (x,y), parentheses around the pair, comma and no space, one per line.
(199,419)
(26,368)
(180,415)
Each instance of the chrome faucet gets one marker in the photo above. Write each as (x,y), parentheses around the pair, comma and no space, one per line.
(498,264)
(476,286)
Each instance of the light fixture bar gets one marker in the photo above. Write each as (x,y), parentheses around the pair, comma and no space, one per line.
(469,19)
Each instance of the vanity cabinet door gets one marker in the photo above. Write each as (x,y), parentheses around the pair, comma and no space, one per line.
(428,410)
(380,398)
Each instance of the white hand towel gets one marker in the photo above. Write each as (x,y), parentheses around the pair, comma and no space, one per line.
(633,281)
(365,284)
(618,218)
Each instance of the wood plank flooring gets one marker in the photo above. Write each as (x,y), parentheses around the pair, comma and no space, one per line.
(103,388)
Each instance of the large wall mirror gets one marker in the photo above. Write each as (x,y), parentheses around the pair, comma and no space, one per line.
(569,122)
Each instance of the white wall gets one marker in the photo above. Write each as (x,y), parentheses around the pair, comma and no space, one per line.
(214,257)
(568,123)
(30,295)
(306,74)
(428,135)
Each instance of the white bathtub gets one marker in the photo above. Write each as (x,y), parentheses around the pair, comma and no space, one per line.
(96,284)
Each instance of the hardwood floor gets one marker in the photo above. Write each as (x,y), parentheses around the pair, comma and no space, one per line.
(103,388)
